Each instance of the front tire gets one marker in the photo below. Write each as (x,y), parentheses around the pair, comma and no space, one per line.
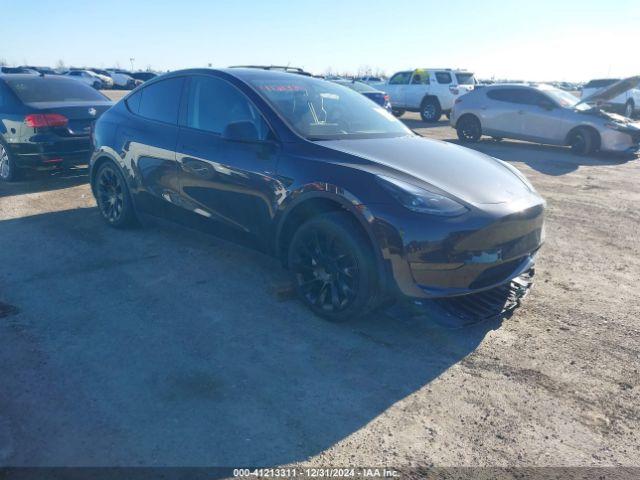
(332,267)
(469,129)
(397,112)
(582,141)
(430,110)
(9,172)
(112,196)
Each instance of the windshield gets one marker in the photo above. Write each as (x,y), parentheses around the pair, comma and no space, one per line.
(465,79)
(562,97)
(53,89)
(321,110)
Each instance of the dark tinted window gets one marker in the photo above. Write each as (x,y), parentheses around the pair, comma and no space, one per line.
(133,102)
(53,89)
(160,101)
(511,95)
(443,77)
(401,78)
(214,103)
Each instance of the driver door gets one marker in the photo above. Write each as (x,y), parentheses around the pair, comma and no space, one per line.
(231,182)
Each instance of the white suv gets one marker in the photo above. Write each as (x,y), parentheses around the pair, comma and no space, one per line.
(627,103)
(430,91)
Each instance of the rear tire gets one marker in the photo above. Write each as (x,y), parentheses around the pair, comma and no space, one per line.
(112,196)
(469,129)
(97,85)
(332,267)
(9,172)
(582,141)
(397,112)
(430,110)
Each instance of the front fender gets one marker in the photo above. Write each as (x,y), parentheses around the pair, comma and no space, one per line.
(349,202)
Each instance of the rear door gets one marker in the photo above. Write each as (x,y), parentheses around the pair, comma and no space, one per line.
(503,113)
(148,142)
(232,182)
(417,88)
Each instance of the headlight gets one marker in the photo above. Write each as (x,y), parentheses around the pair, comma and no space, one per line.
(420,200)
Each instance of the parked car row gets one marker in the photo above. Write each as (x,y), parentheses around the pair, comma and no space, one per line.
(97,78)
(318,173)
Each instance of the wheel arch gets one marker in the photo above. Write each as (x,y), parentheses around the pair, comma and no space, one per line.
(594,131)
(430,96)
(467,115)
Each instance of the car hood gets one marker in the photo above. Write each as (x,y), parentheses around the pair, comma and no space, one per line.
(464,173)
(613,90)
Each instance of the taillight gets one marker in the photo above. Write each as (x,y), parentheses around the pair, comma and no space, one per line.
(41,120)
(387,98)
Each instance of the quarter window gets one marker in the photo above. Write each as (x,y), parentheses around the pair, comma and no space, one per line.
(214,103)
(443,77)
(160,101)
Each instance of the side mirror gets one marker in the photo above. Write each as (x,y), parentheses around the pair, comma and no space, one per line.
(244,131)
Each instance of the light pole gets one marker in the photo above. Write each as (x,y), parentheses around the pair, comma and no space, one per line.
(131,60)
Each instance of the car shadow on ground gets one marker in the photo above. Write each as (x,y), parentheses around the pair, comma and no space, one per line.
(547,159)
(415,124)
(162,346)
(43,181)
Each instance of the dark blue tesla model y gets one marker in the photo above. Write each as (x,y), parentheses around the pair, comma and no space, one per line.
(359,208)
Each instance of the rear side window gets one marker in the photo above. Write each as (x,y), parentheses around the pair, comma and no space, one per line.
(511,95)
(161,101)
(214,103)
(133,102)
(53,89)
(443,77)
(401,78)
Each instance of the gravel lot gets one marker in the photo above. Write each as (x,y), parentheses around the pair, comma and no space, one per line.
(161,346)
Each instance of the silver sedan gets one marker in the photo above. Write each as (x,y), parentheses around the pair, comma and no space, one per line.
(543,114)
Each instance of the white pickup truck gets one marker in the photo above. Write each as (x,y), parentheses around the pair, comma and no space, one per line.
(627,103)
(430,91)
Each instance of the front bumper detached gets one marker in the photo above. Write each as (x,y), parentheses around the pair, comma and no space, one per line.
(465,310)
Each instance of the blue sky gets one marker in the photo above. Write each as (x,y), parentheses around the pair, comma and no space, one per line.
(533,40)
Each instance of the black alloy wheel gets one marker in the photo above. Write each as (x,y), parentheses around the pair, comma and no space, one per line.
(469,129)
(112,196)
(332,267)
(582,142)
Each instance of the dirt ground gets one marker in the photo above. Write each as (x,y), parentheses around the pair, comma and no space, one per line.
(160,346)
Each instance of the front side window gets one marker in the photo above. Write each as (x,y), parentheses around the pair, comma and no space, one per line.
(161,101)
(321,110)
(214,103)
(401,78)
(443,77)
